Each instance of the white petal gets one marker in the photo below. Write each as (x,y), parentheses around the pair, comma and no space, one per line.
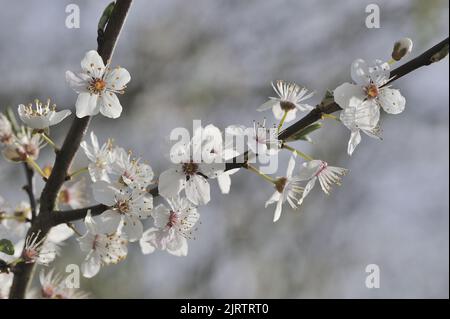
(104,192)
(197,190)
(87,105)
(110,105)
(92,64)
(171,182)
(91,265)
(277,213)
(360,72)
(274,198)
(211,170)
(269,104)
(348,95)
(355,139)
(178,246)
(132,227)
(291,166)
(224,181)
(117,78)
(309,169)
(307,189)
(58,117)
(60,233)
(391,101)
(278,112)
(109,222)
(161,216)
(79,83)
(146,241)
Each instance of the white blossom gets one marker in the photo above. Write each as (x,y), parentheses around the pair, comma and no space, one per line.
(41,116)
(290,99)
(127,208)
(286,189)
(260,139)
(174,225)
(190,172)
(213,146)
(320,170)
(34,250)
(25,145)
(101,158)
(129,171)
(54,287)
(73,195)
(97,86)
(103,249)
(361,101)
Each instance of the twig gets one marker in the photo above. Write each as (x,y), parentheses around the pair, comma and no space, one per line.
(29,188)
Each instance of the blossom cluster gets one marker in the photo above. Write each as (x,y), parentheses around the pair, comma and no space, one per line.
(125,186)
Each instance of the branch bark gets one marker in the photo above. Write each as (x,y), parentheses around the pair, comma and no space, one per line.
(44,221)
(424,59)
(29,188)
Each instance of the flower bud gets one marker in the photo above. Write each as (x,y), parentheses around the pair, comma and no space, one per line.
(402,48)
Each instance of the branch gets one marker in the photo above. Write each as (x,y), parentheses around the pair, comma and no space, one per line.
(63,160)
(29,188)
(424,59)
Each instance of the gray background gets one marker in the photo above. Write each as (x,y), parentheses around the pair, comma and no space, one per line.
(214,60)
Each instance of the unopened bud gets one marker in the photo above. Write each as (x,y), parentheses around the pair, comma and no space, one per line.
(402,48)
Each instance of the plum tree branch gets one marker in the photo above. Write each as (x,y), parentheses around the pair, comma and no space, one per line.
(29,188)
(430,56)
(44,221)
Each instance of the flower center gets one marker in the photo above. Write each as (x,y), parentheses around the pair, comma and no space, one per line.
(97,86)
(123,206)
(190,168)
(372,91)
(322,167)
(280,184)
(287,106)
(172,219)
(47,292)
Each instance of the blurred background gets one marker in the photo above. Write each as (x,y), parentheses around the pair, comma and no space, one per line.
(214,61)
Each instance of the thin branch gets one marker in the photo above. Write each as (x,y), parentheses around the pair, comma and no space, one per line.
(312,117)
(64,157)
(29,188)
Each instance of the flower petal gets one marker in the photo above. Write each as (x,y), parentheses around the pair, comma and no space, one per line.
(171,182)
(197,190)
(360,72)
(110,105)
(92,64)
(117,78)
(91,265)
(348,95)
(132,227)
(58,117)
(391,101)
(87,105)
(104,192)
(267,105)
(355,139)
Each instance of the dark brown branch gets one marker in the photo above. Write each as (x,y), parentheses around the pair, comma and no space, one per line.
(29,188)
(310,118)
(61,217)
(64,157)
